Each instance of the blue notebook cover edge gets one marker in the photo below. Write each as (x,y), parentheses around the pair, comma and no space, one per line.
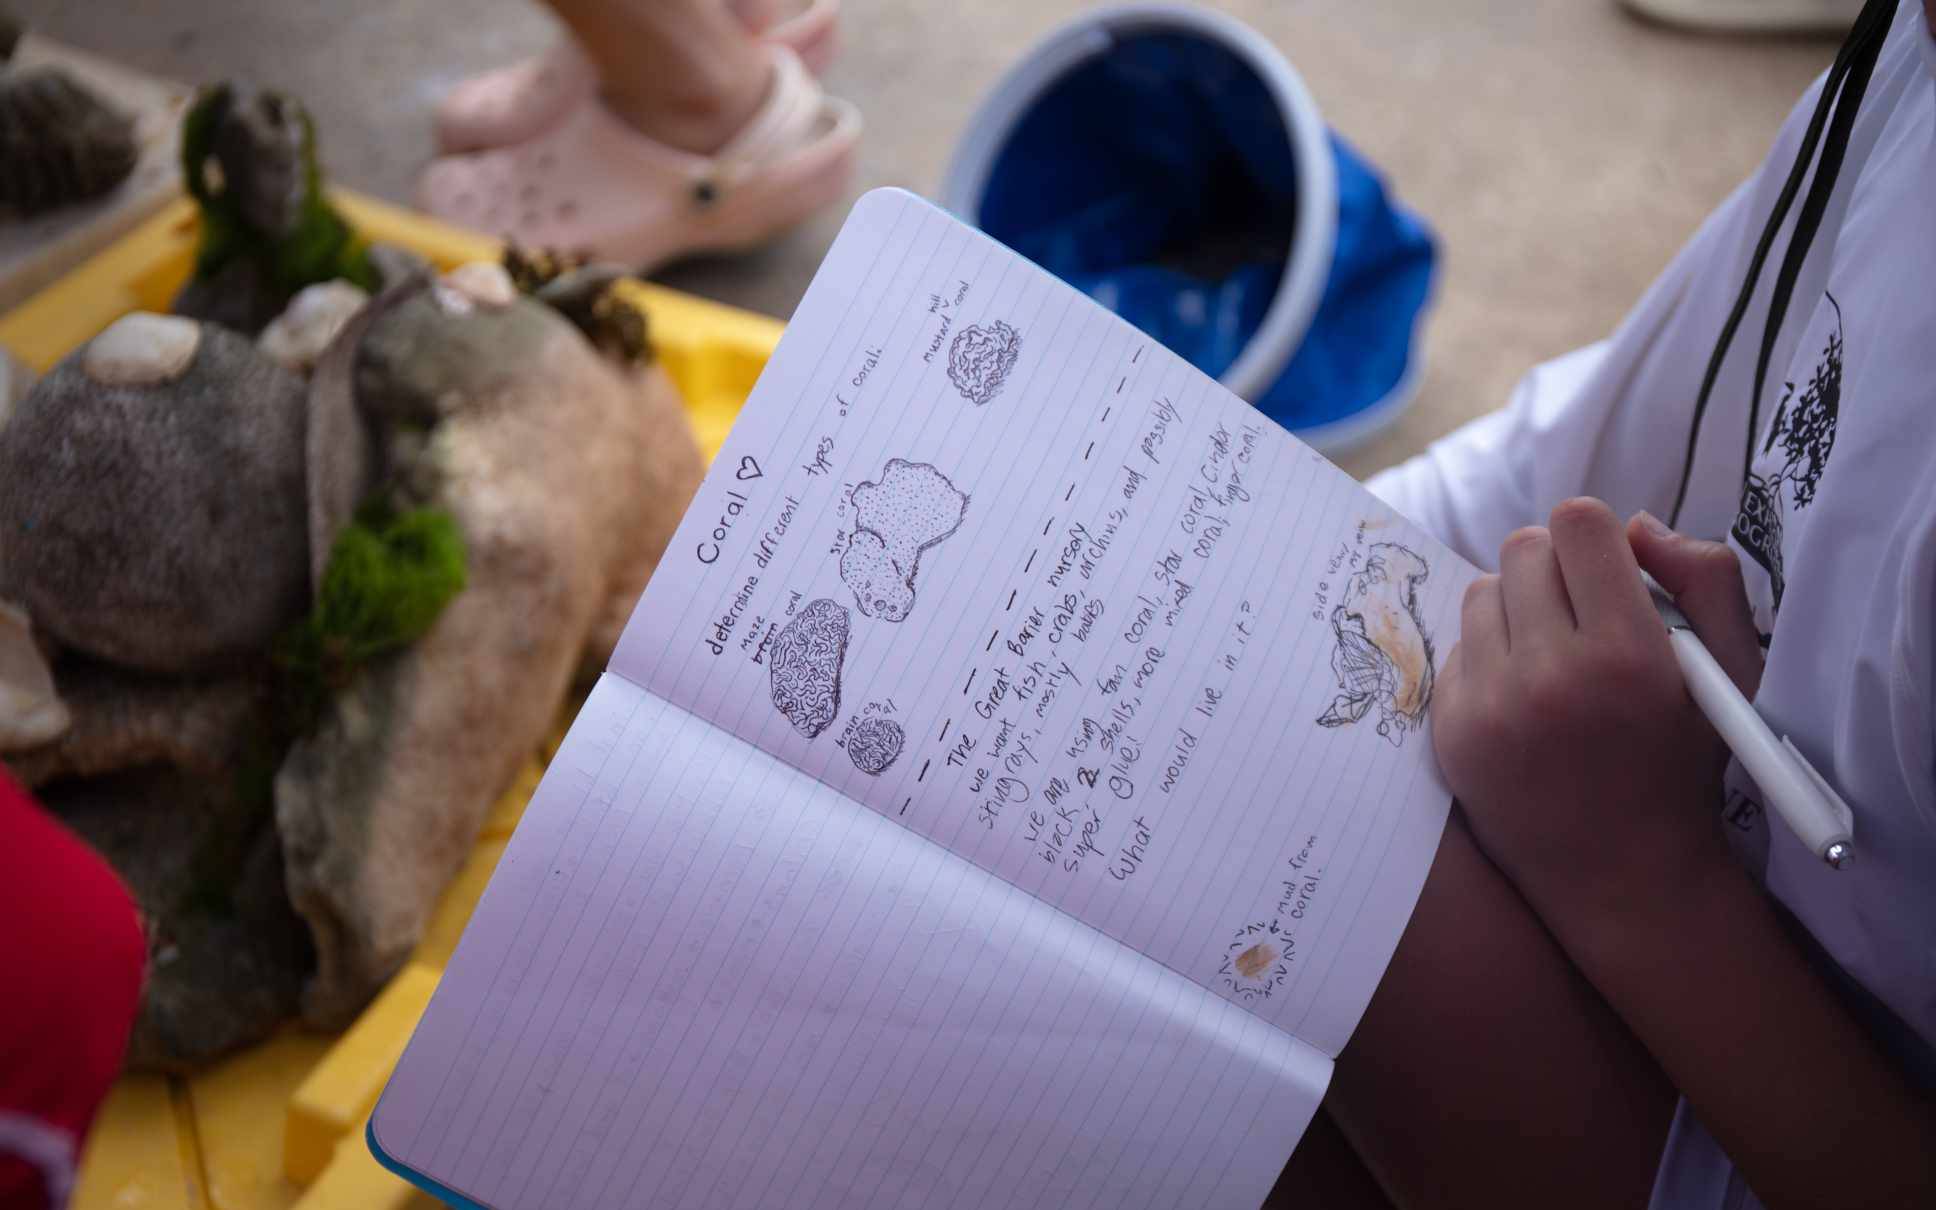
(449,1197)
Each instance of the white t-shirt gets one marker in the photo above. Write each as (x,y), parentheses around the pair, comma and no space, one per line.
(1836,532)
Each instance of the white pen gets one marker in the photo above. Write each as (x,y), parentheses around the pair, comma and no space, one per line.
(1802,797)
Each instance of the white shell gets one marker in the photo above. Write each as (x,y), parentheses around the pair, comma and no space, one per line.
(298,336)
(142,348)
(31,713)
(484,283)
(15,380)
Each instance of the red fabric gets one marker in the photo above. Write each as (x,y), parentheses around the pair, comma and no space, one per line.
(71,958)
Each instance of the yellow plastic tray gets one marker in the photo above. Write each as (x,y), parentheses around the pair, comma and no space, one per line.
(281,1125)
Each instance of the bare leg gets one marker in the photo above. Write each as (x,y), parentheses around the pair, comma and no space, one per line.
(1487,1071)
(686,73)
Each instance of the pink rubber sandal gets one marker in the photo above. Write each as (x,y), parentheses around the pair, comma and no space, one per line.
(593,185)
(516,103)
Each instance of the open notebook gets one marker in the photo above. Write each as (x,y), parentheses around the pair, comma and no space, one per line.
(1008,792)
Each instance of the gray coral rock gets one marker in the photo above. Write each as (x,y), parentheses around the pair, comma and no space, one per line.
(226,953)
(129,720)
(566,477)
(158,524)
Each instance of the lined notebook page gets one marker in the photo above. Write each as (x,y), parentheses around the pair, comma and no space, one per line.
(990,561)
(700,977)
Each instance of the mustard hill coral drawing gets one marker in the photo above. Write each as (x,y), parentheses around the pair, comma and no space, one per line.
(980,359)
(1383,656)
(911,508)
(806,659)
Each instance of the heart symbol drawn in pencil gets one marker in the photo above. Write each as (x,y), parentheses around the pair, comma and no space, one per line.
(748,469)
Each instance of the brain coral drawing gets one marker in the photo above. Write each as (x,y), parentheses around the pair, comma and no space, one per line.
(875,744)
(805,666)
(980,359)
(911,508)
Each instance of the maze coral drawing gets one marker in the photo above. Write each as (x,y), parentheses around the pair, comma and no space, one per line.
(805,657)
(911,508)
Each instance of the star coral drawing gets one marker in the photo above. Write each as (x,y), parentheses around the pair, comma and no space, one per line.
(911,508)
(981,359)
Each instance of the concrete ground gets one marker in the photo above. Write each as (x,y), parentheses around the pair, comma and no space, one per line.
(1561,150)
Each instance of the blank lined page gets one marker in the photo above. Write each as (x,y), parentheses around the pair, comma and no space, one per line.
(702,978)
(992,562)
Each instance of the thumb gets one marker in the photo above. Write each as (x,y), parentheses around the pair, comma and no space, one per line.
(1705,580)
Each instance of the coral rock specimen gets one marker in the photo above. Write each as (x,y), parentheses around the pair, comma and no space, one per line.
(152,502)
(59,143)
(227,955)
(301,633)
(249,161)
(565,476)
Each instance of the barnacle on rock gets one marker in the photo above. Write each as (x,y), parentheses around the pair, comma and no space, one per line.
(532,268)
(59,143)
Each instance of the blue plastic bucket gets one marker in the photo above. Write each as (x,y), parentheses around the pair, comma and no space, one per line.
(1168,161)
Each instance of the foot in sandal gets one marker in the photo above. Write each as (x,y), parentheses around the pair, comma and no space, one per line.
(594,184)
(518,102)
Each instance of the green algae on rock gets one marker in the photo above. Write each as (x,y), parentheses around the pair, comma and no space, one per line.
(249,161)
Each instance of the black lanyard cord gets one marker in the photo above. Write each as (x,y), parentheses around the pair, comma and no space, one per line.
(1842,89)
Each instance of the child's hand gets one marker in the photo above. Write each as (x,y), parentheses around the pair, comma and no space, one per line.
(1562,721)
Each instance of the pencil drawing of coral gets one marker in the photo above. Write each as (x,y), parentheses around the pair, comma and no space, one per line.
(874,744)
(805,666)
(980,360)
(1383,656)
(911,508)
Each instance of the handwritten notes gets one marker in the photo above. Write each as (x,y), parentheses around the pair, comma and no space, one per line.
(1008,792)
(1062,605)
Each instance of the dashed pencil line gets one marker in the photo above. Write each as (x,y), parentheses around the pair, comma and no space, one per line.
(1011,601)
(971,681)
(992,636)
(1047,525)
(945,724)
(1106,411)
(905,802)
(1136,354)
(1072,487)
(1031,561)
(924,769)
(1089,451)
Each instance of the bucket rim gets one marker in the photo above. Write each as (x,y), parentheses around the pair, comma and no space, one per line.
(1313,241)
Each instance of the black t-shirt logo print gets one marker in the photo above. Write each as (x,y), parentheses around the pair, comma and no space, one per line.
(1804,428)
